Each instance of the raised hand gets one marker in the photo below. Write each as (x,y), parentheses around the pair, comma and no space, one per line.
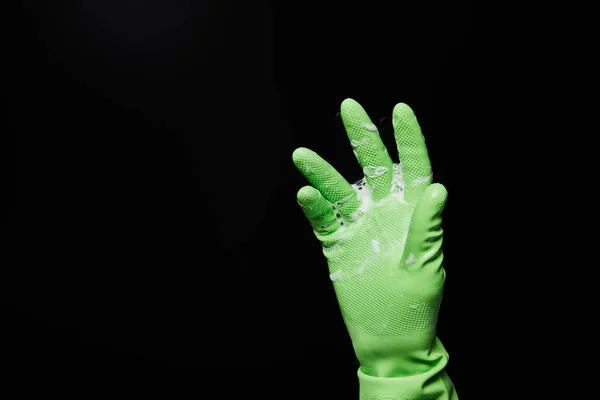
(382,238)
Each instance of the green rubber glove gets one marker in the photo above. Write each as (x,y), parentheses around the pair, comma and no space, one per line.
(382,238)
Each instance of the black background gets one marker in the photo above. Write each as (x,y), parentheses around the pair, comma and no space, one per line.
(159,243)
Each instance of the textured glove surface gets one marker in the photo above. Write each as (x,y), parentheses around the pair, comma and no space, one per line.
(382,238)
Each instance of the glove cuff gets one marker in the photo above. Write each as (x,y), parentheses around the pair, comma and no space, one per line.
(431,385)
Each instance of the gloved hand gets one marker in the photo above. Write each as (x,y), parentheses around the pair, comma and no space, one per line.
(382,238)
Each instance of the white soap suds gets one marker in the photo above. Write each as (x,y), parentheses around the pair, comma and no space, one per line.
(356,215)
(356,143)
(336,276)
(375,245)
(397,189)
(369,126)
(398,179)
(411,259)
(365,197)
(375,171)
(421,180)
(360,269)
(363,192)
